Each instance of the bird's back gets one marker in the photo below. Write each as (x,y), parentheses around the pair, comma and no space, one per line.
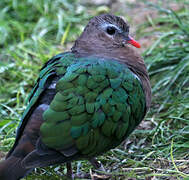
(96,104)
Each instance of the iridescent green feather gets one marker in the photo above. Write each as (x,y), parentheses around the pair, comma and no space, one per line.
(104,101)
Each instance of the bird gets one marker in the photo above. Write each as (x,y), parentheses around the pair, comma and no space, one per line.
(85,101)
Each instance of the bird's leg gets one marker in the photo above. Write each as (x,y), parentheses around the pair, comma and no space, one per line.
(97,164)
(69,169)
(79,173)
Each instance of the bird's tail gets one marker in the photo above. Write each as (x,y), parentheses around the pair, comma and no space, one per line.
(11,169)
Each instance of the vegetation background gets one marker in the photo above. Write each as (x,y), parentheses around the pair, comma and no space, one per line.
(32,31)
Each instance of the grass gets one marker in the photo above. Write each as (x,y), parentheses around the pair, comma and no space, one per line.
(33,31)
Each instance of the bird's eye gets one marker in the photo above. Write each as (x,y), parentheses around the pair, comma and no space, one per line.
(111,30)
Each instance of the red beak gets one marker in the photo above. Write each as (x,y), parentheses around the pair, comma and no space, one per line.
(133,42)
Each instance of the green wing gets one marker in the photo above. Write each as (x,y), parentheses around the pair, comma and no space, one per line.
(98,104)
(46,74)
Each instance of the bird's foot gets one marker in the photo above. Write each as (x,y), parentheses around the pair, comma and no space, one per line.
(99,172)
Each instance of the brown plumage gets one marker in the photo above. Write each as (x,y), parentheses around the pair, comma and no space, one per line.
(95,41)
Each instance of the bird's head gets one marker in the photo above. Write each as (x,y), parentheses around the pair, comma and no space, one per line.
(105,32)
